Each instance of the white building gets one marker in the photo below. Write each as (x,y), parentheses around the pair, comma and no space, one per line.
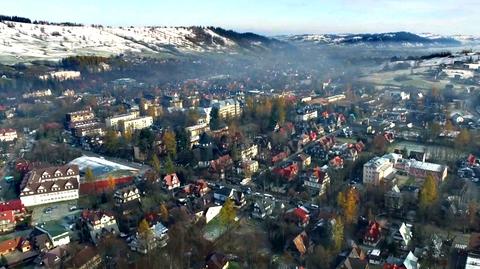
(228,108)
(8,135)
(474,66)
(307,115)
(459,73)
(195,131)
(49,185)
(375,170)
(247,153)
(61,75)
(114,122)
(136,124)
(36,94)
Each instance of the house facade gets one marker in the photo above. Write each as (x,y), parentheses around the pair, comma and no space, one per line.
(48,185)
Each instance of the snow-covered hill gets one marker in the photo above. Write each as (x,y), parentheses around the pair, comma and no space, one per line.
(25,41)
(405,39)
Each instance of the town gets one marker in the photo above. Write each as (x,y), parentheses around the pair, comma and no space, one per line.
(234,163)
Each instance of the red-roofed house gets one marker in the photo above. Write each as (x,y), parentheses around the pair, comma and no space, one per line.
(7,221)
(279,157)
(393,266)
(373,234)
(288,172)
(9,246)
(171,181)
(299,215)
(198,188)
(14,205)
(336,162)
(318,181)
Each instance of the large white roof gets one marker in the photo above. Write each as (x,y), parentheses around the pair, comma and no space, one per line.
(100,166)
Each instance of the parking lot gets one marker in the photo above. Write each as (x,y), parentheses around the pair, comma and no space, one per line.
(54,212)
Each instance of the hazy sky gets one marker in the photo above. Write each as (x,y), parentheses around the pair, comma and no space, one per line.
(265,16)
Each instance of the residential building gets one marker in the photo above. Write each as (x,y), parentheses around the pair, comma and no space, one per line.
(14,205)
(136,124)
(114,122)
(299,215)
(126,195)
(418,169)
(8,135)
(318,181)
(263,207)
(99,223)
(373,235)
(307,114)
(376,170)
(79,116)
(7,221)
(51,184)
(57,234)
(229,108)
(459,73)
(37,94)
(304,160)
(157,237)
(403,236)
(171,181)
(9,246)
(394,199)
(195,131)
(248,152)
(61,75)
(249,167)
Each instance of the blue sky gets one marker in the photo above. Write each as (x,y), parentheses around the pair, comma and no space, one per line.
(265,16)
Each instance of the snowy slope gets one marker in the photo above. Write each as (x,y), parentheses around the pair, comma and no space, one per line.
(405,39)
(25,42)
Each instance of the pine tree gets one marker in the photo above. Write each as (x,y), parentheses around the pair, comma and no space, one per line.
(155,163)
(169,166)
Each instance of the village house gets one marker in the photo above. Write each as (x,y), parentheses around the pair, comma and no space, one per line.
(263,207)
(403,236)
(56,233)
(8,135)
(171,181)
(99,223)
(303,160)
(299,215)
(16,206)
(51,184)
(249,167)
(353,259)
(7,221)
(373,235)
(126,195)
(157,237)
(394,199)
(199,188)
(318,181)
(288,171)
